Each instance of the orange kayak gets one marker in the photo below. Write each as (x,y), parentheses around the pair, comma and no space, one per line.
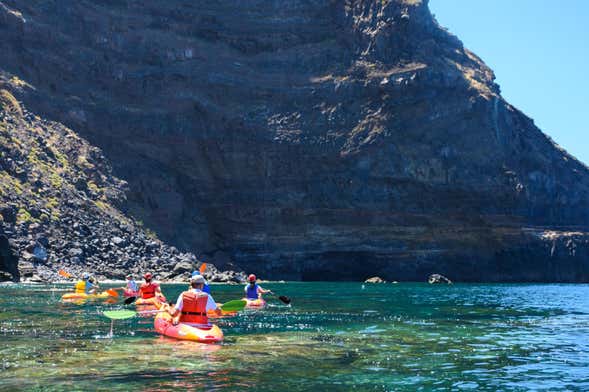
(202,334)
(255,303)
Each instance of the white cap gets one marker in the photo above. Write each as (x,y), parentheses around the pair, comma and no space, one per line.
(199,279)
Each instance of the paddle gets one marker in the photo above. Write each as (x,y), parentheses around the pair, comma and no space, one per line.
(234,306)
(283,298)
(130,300)
(112,293)
(231,306)
(117,315)
(202,268)
(64,274)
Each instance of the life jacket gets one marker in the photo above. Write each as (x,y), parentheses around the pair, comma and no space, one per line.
(194,308)
(148,290)
(251,292)
(80,287)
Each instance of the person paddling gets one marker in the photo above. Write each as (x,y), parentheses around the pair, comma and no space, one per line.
(85,285)
(206,288)
(254,291)
(151,290)
(132,289)
(193,304)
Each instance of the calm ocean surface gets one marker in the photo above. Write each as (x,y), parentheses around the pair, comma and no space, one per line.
(333,337)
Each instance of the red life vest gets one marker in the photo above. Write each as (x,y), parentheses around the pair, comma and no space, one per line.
(148,290)
(194,308)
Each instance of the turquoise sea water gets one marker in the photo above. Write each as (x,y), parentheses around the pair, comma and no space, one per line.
(333,337)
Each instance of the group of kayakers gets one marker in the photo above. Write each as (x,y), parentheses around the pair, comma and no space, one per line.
(192,305)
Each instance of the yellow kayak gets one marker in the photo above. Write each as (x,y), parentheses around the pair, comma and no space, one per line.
(84,296)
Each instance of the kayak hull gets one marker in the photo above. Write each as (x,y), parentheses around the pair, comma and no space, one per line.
(83,296)
(146,307)
(129,293)
(210,334)
(255,303)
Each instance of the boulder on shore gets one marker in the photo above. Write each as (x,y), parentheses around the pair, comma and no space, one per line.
(375,279)
(437,278)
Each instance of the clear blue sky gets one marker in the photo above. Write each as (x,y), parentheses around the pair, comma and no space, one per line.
(539,50)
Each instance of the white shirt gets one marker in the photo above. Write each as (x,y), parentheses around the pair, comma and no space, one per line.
(211,304)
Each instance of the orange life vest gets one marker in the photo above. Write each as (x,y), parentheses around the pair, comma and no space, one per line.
(194,308)
(147,290)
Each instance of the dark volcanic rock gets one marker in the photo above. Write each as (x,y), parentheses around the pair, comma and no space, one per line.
(437,278)
(301,139)
(8,261)
(375,279)
(182,267)
(50,223)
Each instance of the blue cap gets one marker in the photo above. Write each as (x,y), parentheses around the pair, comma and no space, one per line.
(195,273)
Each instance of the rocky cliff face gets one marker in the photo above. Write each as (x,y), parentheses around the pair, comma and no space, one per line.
(61,207)
(307,139)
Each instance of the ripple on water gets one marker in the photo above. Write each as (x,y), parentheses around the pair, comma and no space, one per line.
(333,337)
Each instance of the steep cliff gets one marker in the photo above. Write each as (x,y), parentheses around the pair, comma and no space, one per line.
(306,139)
(60,207)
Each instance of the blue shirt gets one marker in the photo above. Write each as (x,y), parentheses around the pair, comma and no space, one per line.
(89,286)
(251,292)
(132,285)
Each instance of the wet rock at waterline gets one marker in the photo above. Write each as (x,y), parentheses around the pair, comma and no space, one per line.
(375,279)
(437,278)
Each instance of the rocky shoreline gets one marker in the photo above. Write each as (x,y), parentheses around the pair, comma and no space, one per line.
(60,210)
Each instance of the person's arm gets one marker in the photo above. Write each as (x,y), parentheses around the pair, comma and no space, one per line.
(263,291)
(212,305)
(176,311)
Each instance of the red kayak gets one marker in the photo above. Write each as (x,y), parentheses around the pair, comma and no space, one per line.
(196,333)
(147,307)
(255,303)
(130,293)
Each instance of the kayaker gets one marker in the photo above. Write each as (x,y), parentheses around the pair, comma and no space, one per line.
(85,285)
(193,304)
(150,289)
(254,291)
(132,289)
(206,288)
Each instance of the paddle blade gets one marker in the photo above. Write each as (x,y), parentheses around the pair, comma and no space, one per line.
(202,268)
(112,293)
(284,299)
(233,306)
(64,274)
(130,300)
(119,314)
